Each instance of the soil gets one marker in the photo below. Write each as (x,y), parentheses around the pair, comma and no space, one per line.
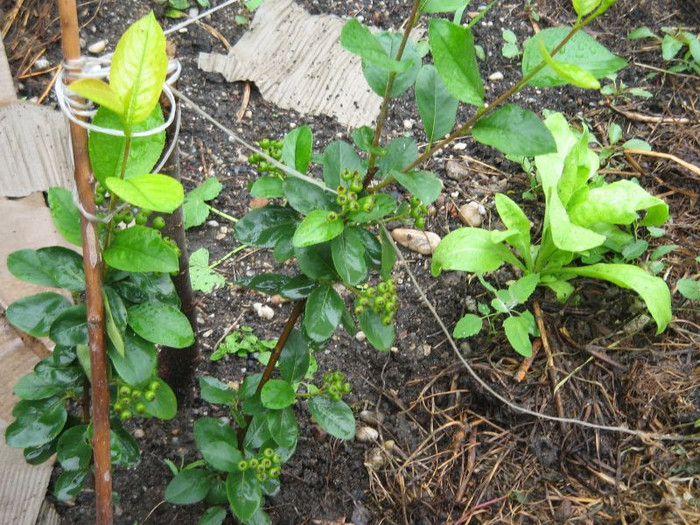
(459,455)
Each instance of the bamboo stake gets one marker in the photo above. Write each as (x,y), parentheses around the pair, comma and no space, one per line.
(92,260)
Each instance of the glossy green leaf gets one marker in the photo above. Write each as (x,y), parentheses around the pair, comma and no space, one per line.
(400,152)
(217,493)
(124,448)
(373,249)
(322,313)
(378,77)
(380,336)
(107,151)
(36,422)
(468,326)
(215,391)
(189,486)
(195,209)
(584,7)
(516,329)
(268,187)
(453,51)
(521,290)
(339,156)
(154,192)
(316,228)
(48,379)
(265,226)
(335,417)
(470,250)
(298,287)
(99,92)
(348,253)
(297,148)
(36,313)
(143,287)
(56,267)
(65,215)
(217,442)
(162,324)
(164,406)
(582,51)
(316,261)
(267,283)
(360,41)
(139,66)
(257,433)
(244,494)
(213,516)
(305,197)
(653,290)
(115,318)
(294,359)
(442,6)
(437,108)
(70,327)
(423,184)
(141,249)
(40,454)
(70,483)
(202,277)
(73,449)
(514,131)
(277,394)
(138,363)
(283,427)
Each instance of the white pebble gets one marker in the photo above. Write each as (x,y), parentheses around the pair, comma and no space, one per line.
(213,223)
(408,124)
(366,434)
(459,146)
(496,76)
(266,312)
(360,336)
(41,64)
(97,47)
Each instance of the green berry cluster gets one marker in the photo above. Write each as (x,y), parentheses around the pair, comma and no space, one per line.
(347,197)
(128,396)
(139,216)
(418,212)
(273,148)
(266,464)
(382,300)
(335,386)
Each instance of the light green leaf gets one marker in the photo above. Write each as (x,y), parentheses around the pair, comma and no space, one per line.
(653,290)
(161,323)
(99,92)
(339,156)
(139,67)
(689,289)
(453,51)
(570,73)
(316,228)
(670,47)
(114,308)
(215,391)
(378,77)
(437,108)
(468,326)
(516,221)
(471,250)
(297,148)
(202,277)
(141,249)
(154,192)
(268,187)
(65,215)
(582,51)
(442,6)
(584,7)
(360,41)
(423,184)
(521,290)
(516,329)
(641,32)
(195,209)
(277,394)
(514,131)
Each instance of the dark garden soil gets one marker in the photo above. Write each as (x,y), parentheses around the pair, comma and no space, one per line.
(458,454)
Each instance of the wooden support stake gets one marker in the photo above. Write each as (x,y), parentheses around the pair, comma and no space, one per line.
(92,259)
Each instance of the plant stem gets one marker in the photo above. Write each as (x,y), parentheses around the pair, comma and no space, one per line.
(92,260)
(222,214)
(228,256)
(384,108)
(274,356)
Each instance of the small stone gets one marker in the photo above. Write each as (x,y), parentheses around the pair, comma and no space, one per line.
(97,47)
(258,202)
(422,242)
(220,236)
(426,350)
(372,417)
(225,420)
(469,214)
(375,458)
(138,433)
(360,336)
(248,114)
(495,77)
(408,124)
(212,223)
(265,312)
(459,146)
(366,434)
(41,64)
(193,12)
(207,333)
(457,170)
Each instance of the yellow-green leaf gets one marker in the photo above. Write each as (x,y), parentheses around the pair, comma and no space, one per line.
(99,92)
(571,73)
(152,191)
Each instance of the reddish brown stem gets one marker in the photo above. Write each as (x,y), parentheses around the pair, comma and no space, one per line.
(92,260)
(274,357)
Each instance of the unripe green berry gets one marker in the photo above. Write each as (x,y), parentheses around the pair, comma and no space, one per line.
(387,319)
(347,175)
(352,196)
(359,310)
(346,387)
(100,189)
(150,395)
(423,209)
(354,206)
(126,414)
(141,218)
(99,199)
(367,207)
(154,386)
(266,463)
(341,189)
(379,302)
(268,452)
(242,465)
(277,459)
(341,199)
(126,402)
(275,472)
(264,143)
(159,223)
(382,287)
(356,186)
(125,390)
(140,408)
(371,291)
(136,394)
(331,216)
(261,476)
(253,463)
(415,202)
(363,301)
(118,407)
(419,223)
(128,217)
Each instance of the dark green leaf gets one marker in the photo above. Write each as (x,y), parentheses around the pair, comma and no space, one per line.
(316,261)
(69,484)
(283,427)
(294,359)
(306,197)
(215,391)
(36,422)
(35,314)
(74,450)
(515,131)
(297,148)
(453,51)
(267,187)
(377,76)
(423,184)
(267,283)
(202,276)
(56,267)
(244,494)
(33,387)
(213,516)
(437,108)
(265,226)
(138,363)
(388,255)
(162,324)
(348,254)
(70,327)
(65,215)
(195,209)
(373,249)
(141,249)
(339,156)
(217,493)
(582,51)
(381,337)
(364,139)
(124,449)
(335,417)
(257,433)
(145,287)
(400,152)
(217,442)
(298,287)
(189,486)
(360,41)
(324,308)
(40,454)
(277,394)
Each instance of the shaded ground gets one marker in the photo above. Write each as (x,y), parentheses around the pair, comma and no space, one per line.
(458,454)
